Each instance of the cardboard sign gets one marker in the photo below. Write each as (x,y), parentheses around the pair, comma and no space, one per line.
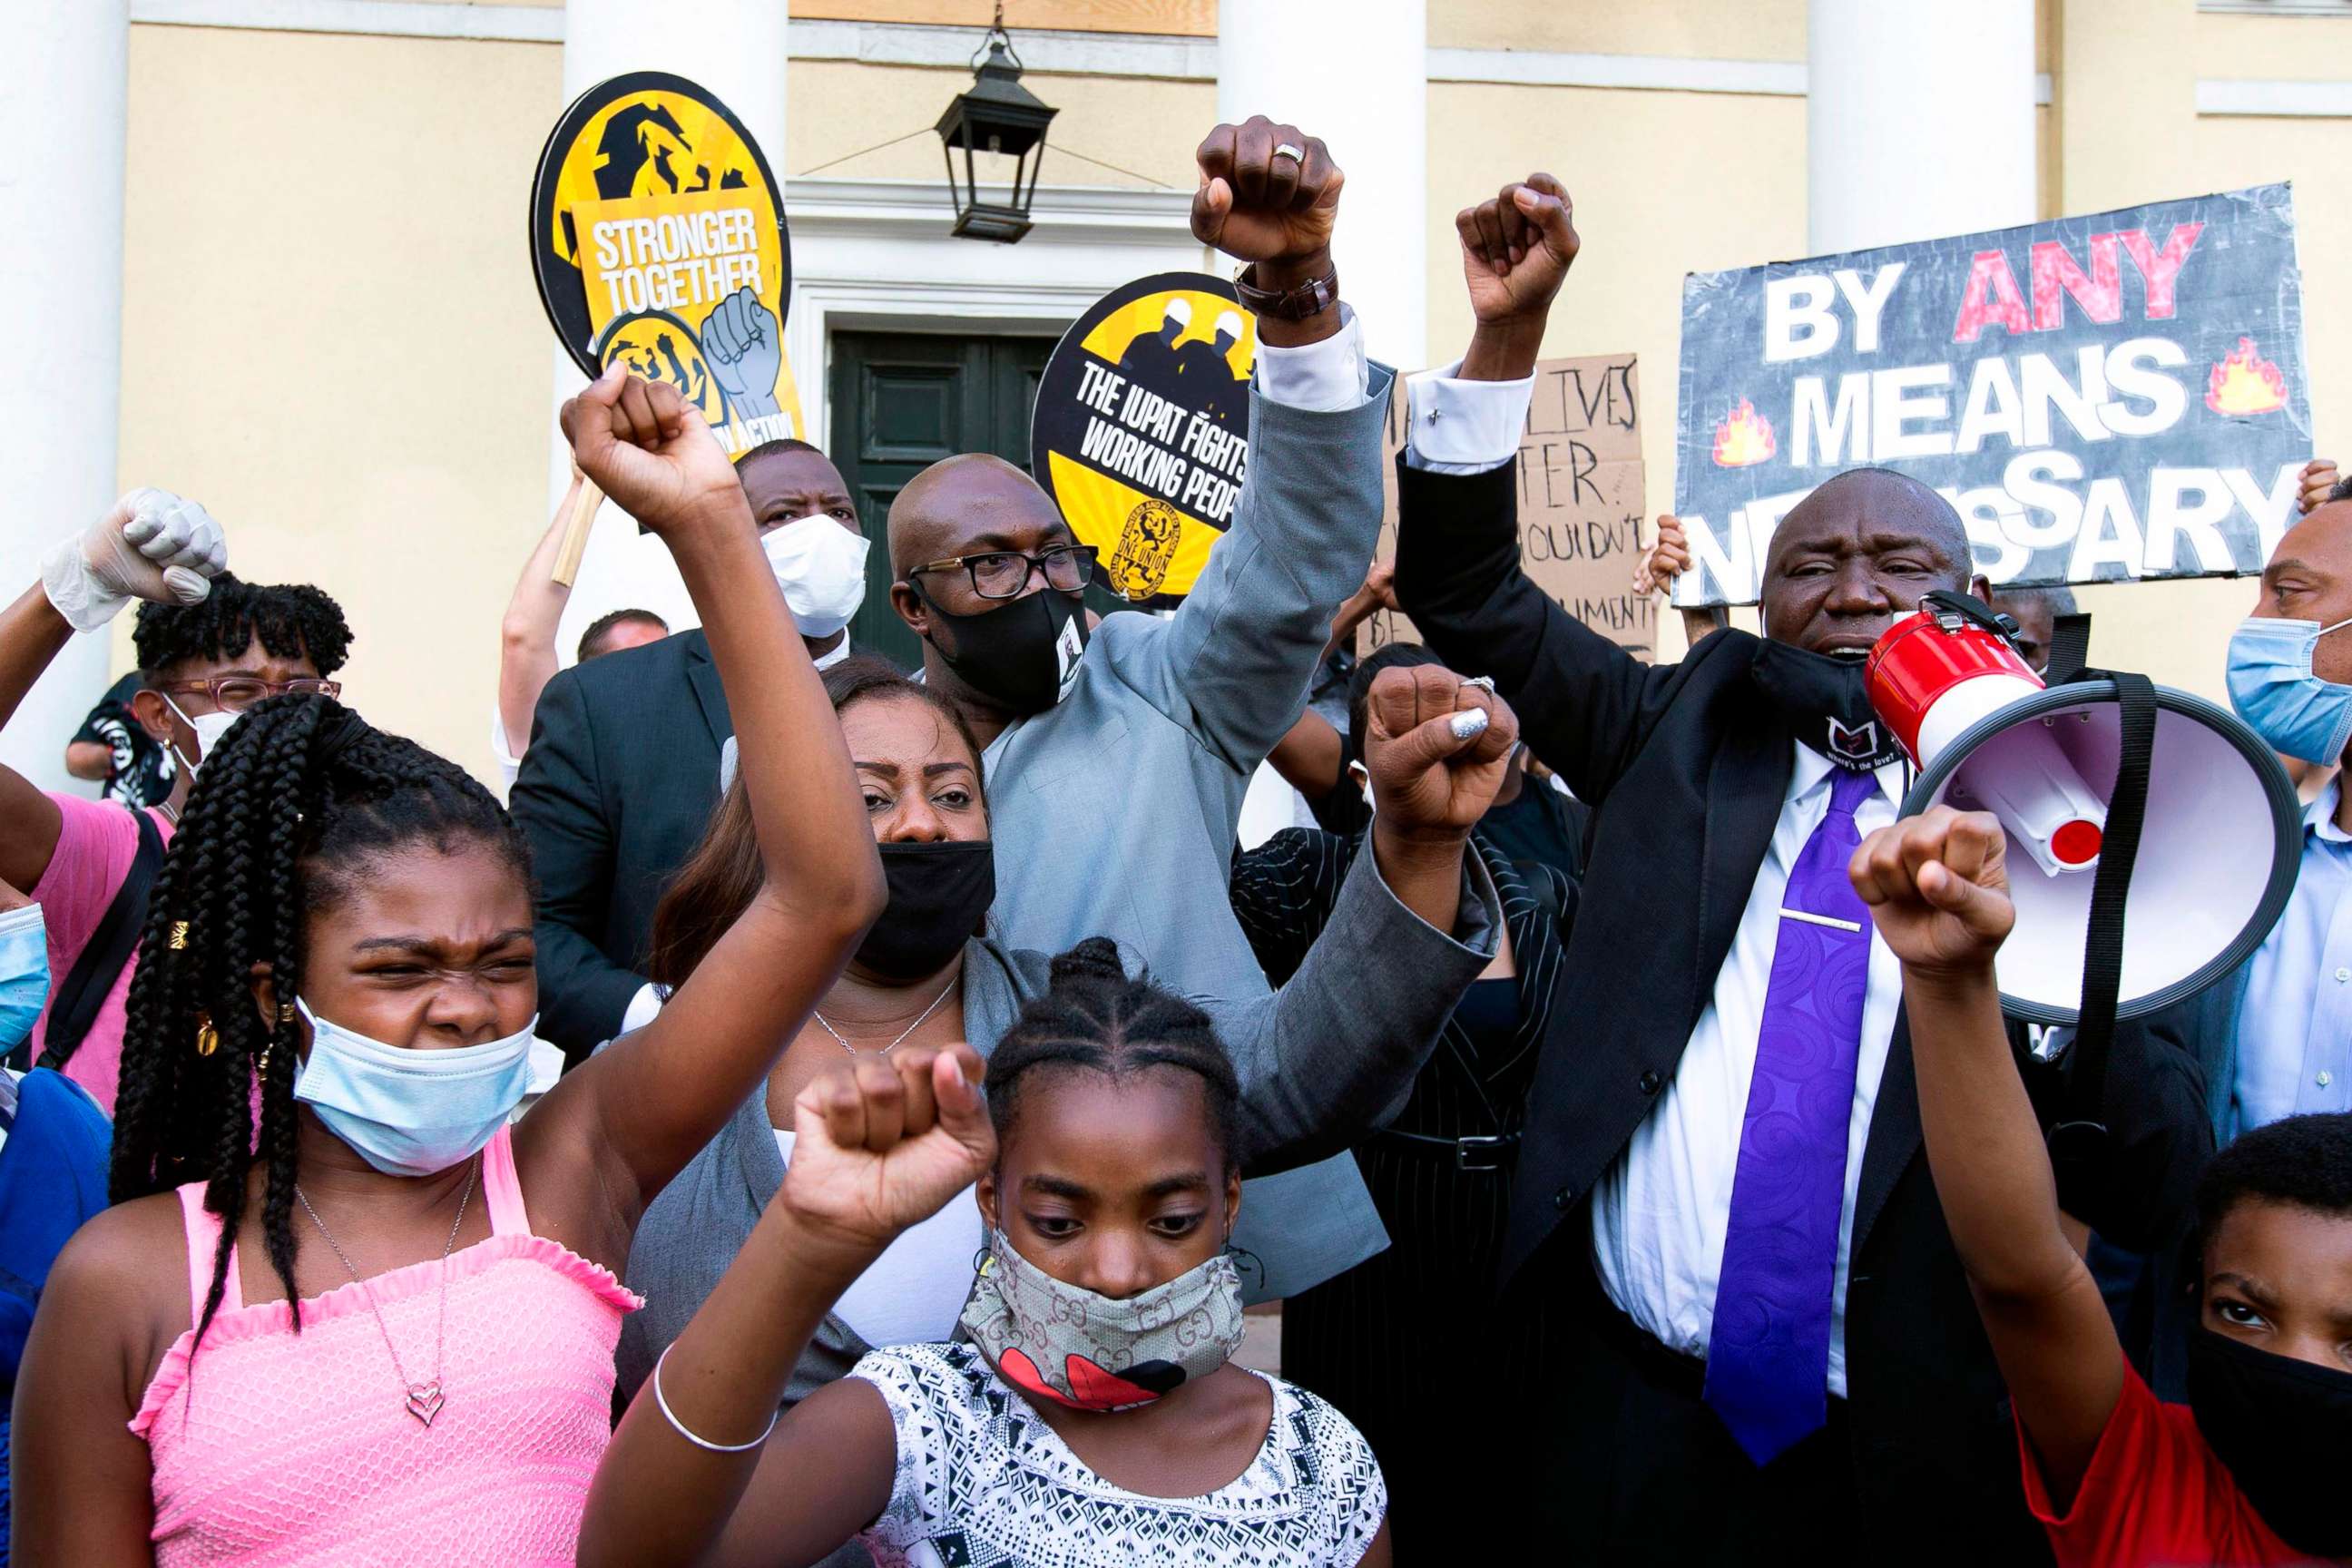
(658,239)
(1579,476)
(1142,429)
(2102,398)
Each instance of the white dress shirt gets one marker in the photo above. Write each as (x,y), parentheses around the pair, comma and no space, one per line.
(1660,1213)
(1456,427)
(2294,1026)
(1323,376)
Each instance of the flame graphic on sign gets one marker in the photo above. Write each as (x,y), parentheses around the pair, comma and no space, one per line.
(1743,436)
(2245,383)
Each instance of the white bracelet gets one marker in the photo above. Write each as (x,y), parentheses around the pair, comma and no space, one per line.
(680,1427)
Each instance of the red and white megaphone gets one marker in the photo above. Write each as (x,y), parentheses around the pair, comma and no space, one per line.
(2221,833)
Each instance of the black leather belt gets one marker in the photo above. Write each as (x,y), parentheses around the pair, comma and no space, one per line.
(1472,1153)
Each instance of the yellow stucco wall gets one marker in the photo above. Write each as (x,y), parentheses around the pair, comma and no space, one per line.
(331,337)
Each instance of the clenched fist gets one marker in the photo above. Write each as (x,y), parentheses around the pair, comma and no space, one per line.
(1436,751)
(1937,888)
(1516,249)
(1268,194)
(885,1142)
(151,544)
(745,349)
(654,453)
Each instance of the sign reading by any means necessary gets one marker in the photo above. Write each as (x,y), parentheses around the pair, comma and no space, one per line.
(2102,398)
(1142,429)
(657,237)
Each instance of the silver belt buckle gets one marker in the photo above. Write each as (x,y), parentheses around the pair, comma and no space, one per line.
(1466,1151)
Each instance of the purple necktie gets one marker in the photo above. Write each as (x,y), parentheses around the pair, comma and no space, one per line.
(1768,1357)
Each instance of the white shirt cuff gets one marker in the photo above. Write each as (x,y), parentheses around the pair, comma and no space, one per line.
(1325,377)
(644,1008)
(510,765)
(1458,426)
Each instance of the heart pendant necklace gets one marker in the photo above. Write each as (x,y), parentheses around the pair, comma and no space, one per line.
(423,1400)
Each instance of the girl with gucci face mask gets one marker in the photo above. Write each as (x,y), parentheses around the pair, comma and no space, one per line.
(2249,1471)
(1320,1056)
(1088,1400)
(341,1309)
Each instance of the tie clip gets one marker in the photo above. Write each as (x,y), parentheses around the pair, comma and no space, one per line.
(1811,919)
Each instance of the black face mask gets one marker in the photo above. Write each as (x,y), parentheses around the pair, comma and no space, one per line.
(939,893)
(2283,1427)
(1826,704)
(1025,653)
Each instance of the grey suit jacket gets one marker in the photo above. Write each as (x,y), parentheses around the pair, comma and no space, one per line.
(1320,1061)
(1116,810)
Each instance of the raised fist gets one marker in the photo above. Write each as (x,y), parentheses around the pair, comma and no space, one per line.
(744,348)
(650,450)
(1268,194)
(1937,888)
(885,1142)
(1516,249)
(1437,751)
(151,544)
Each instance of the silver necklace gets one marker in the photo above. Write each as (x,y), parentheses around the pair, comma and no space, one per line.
(424,1399)
(901,1040)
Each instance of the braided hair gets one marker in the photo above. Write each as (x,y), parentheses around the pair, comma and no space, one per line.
(1095,1019)
(290,807)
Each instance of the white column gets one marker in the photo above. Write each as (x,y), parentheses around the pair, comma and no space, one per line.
(1919,120)
(1356,73)
(62,302)
(735,49)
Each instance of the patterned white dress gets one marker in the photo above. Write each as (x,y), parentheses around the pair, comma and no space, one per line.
(983,1483)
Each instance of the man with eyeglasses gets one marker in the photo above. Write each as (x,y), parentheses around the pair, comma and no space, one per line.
(1117,757)
(209,648)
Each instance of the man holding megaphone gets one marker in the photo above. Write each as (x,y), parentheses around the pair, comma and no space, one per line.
(1783,1363)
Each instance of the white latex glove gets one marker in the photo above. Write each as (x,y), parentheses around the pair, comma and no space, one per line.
(151,545)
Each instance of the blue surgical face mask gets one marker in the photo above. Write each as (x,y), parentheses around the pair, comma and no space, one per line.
(2273,689)
(411,1112)
(24,973)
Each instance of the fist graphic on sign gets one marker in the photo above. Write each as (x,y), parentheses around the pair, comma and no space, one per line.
(745,347)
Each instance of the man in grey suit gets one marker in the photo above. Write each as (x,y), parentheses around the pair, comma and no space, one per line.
(1117,761)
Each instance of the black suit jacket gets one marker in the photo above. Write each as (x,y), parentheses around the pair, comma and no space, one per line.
(1686,766)
(615,789)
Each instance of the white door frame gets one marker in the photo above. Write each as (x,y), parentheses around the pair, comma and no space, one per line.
(877,254)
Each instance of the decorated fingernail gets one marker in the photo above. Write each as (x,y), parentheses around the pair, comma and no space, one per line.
(1469,722)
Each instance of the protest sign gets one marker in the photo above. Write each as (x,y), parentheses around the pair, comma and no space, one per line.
(2102,398)
(1142,429)
(1579,480)
(658,239)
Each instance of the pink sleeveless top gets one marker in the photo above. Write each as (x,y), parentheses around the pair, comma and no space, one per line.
(275,1448)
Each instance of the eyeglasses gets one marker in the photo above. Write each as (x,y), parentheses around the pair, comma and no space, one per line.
(235,693)
(1003,573)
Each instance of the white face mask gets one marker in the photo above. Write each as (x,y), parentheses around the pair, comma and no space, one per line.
(411,1112)
(209,729)
(821,566)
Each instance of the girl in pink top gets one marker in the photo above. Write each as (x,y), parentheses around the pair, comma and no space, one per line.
(391,1337)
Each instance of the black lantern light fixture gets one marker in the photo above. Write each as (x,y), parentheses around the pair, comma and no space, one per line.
(996,114)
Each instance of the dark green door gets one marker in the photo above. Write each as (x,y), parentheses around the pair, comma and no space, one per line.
(901,401)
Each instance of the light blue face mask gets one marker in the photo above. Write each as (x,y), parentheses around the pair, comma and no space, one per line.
(24,973)
(2273,689)
(411,1112)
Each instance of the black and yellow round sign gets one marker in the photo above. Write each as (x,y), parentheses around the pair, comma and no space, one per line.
(1142,429)
(657,237)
